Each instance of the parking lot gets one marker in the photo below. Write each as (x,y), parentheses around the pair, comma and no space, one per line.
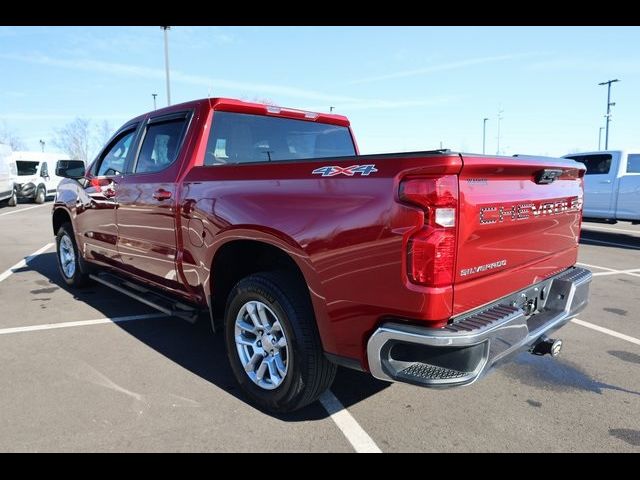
(134,380)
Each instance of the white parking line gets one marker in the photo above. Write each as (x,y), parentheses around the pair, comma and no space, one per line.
(350,428)
(82,323)
(633,272)
(609,229)
(611,271)
(600,329)
(615,244)
(597,266)
(22,263)
(22,210)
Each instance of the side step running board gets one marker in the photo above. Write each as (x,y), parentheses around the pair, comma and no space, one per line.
(147,296)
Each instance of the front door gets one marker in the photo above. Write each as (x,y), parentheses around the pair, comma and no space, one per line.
(147,200)
(95,223)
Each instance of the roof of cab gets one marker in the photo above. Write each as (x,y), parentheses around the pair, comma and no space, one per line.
(240,106)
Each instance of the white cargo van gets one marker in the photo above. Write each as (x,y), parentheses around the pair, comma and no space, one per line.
(36,174)
(7,174)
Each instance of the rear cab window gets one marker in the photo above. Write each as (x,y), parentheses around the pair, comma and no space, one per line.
(245,138)
(597,164)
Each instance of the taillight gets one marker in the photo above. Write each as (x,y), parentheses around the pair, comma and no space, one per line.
(431,247)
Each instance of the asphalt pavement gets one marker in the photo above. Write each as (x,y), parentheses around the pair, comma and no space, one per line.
(92,370)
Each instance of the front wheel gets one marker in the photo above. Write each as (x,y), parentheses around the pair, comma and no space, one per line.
(69,258)
(273,343)
(41,195)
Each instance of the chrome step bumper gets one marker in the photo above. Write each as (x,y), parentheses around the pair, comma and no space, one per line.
(468,348)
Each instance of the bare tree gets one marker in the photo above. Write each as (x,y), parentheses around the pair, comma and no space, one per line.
(75,139)
(10,137)
(103,134)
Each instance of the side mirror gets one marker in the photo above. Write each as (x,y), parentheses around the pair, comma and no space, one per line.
(70,169)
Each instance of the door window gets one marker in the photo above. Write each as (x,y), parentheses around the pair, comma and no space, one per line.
(113,160)
(160,145)
(44,170)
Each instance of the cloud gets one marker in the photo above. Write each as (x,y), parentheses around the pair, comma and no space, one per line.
(391,104)
(123,69)
(343,102)
(56,116)
(590,65)
(443,67)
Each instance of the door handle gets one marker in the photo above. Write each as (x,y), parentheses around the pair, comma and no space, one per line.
(161,194)
(605,181)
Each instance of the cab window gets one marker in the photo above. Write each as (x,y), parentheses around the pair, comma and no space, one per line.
(113,160)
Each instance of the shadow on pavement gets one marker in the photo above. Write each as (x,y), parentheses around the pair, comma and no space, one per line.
(195,347)
(622,240)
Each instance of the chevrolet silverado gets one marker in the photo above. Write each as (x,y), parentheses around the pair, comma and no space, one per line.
(425,267)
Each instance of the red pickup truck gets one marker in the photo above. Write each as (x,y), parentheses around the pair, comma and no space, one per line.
(426,267)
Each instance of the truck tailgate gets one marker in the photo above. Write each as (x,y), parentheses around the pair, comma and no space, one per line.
(519,223)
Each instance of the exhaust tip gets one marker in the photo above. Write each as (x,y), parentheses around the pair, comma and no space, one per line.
(547,346)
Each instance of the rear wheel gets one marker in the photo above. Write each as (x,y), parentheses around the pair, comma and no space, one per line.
(69,258)
(273,343)
(41,195)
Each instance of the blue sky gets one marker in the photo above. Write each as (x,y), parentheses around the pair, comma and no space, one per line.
(404,88)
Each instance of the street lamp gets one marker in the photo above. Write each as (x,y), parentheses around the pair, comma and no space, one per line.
(609,105)
(600,137)
(154,95)
(484,134)
(499,118)
(331,109)
(166,60)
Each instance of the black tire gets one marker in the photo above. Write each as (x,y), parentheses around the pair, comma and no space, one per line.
(13,200)
(41,195)
(309,373)
(79,278)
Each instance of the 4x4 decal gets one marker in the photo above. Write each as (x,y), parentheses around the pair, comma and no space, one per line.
(332,171)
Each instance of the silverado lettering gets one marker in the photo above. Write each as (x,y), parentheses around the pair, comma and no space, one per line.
(304,254)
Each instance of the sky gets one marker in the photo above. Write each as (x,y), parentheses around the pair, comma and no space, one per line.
(403,88)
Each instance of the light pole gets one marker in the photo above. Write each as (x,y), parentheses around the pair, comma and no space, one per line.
(331,109)
(600,137)
(154,95)
(484,134)
(166,60)
(42,142)
(609,105)
(499,118)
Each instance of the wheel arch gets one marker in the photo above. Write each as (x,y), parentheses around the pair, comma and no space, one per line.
(243,252)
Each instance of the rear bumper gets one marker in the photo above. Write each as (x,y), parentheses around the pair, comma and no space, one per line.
(468,348)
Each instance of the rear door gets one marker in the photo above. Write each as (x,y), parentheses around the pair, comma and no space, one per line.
(599,183)
(628,205)
(147,200)
(519,223)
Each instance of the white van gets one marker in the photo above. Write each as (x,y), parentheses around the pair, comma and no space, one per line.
(36,178)
(7,174)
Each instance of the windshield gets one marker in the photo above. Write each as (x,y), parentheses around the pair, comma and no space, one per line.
(27,168)
(239,138)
